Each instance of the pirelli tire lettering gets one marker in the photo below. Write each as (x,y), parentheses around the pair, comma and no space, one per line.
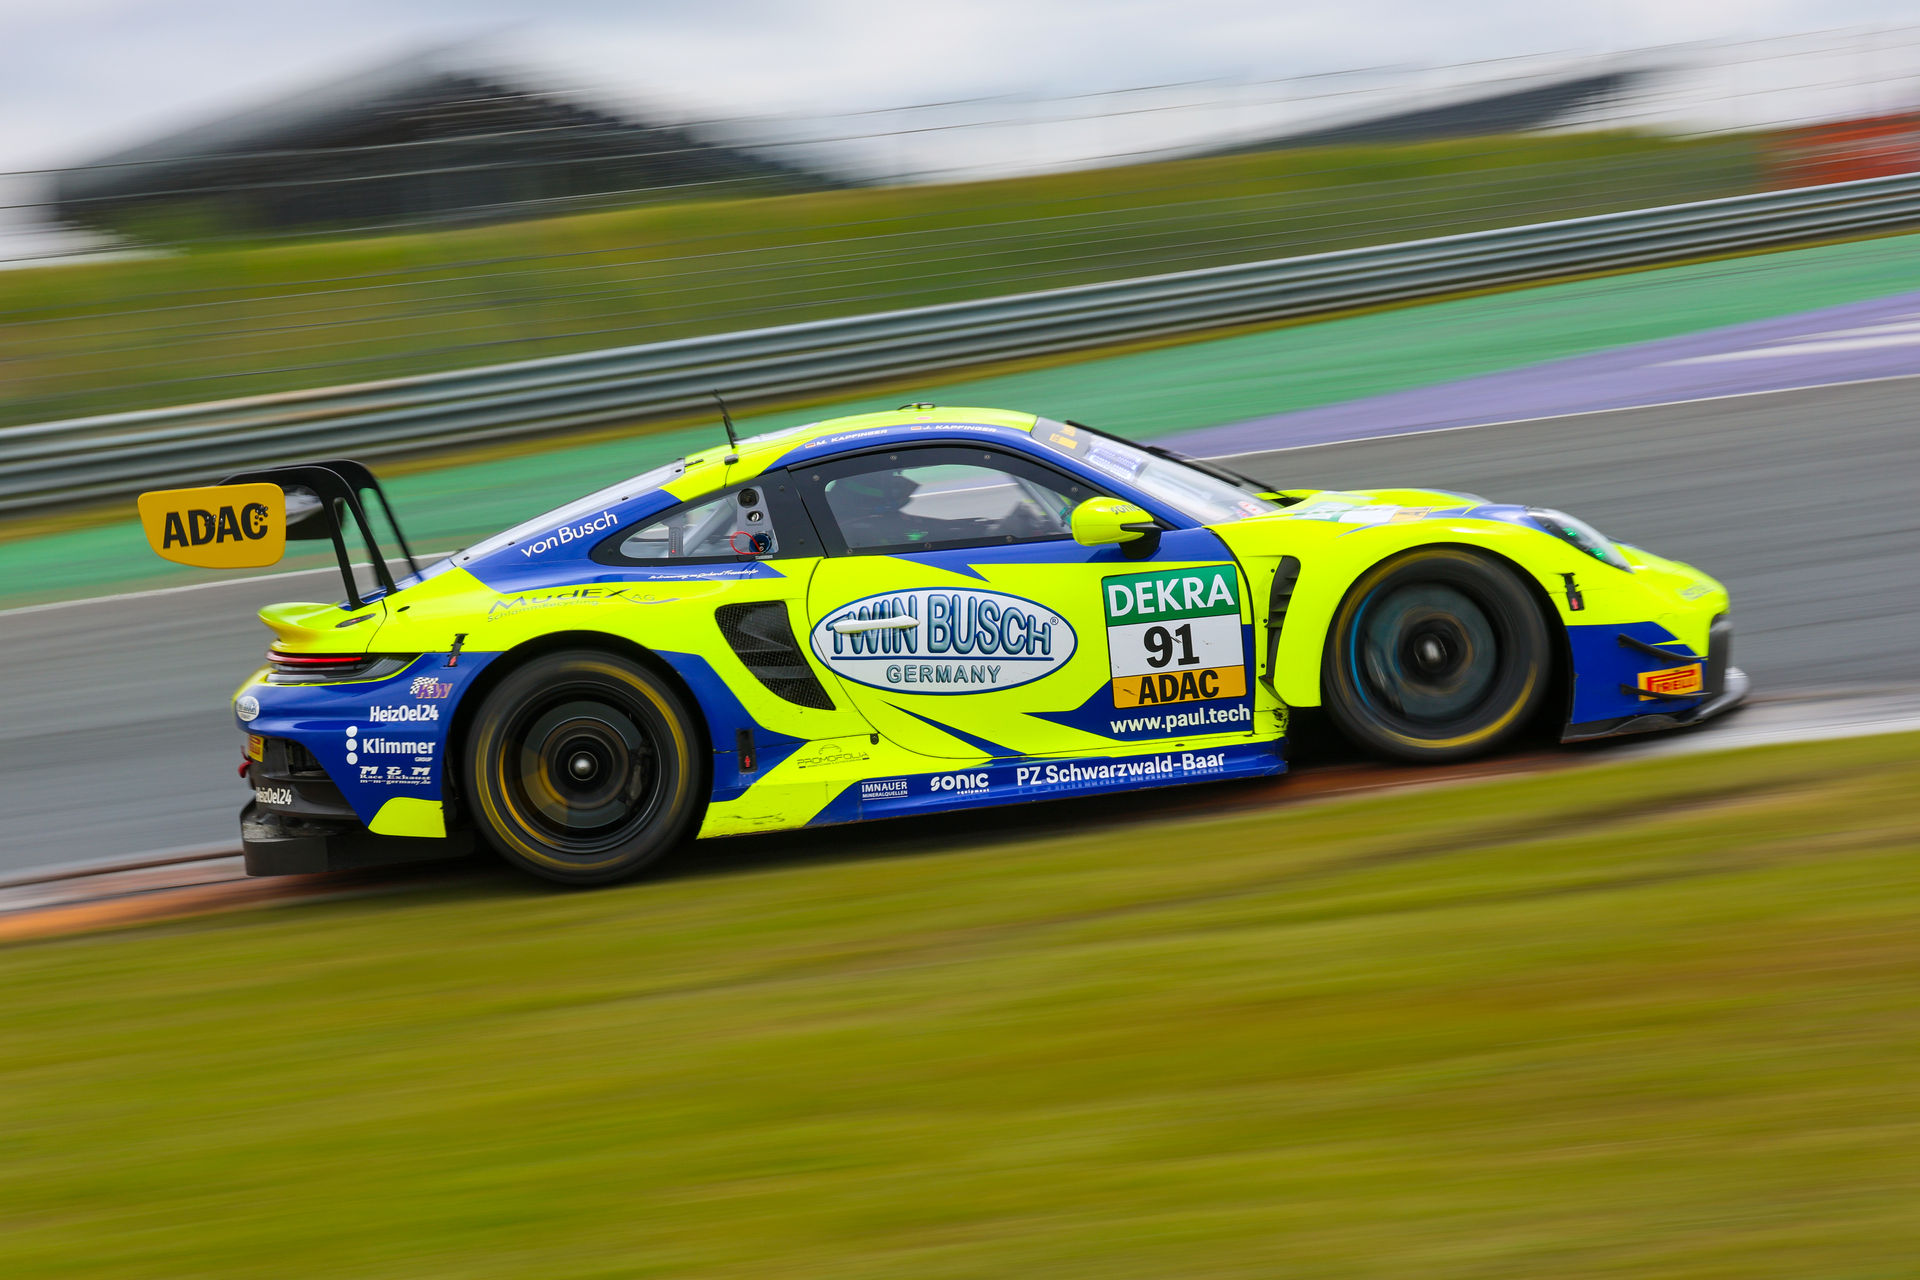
(1174,636)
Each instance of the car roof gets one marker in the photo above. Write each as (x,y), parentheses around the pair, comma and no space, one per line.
(707,470)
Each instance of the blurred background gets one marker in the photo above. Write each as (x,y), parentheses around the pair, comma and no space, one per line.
(202,207)
(1645,1008)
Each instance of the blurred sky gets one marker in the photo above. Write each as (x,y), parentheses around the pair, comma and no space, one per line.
(80,76)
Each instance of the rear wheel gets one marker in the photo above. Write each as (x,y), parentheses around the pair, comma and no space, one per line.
(1438,655)
(581,767)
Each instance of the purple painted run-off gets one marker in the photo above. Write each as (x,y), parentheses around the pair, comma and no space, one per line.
(1877,339)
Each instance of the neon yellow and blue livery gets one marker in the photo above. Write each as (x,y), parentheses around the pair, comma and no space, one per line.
(911,612)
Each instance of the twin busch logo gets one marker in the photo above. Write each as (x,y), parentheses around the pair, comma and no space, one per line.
(571,533)
(428,687)
(388,715)
(943,641)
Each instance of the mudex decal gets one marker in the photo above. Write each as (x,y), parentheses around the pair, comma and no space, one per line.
(554,598)
(988,640)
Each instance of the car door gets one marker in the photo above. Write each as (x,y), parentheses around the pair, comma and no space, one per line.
(749,550)
(963,619)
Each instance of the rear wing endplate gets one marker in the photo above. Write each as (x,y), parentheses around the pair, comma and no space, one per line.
(248,518)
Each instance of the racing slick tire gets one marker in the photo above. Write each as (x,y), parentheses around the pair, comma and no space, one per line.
(1437,655)
(581,767)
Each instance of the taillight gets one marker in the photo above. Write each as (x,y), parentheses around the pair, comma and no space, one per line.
(328,668)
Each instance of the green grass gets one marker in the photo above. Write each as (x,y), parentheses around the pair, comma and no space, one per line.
(213,322)
(1654,1019)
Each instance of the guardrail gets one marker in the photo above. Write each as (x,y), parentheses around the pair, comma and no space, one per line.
(92,459)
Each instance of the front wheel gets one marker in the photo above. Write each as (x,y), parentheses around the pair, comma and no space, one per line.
(1438,655)
(581,767)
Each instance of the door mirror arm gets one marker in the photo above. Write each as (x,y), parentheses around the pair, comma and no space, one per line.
(1100,522)
(1144,544)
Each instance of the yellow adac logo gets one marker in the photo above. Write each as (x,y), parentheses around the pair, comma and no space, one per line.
(229,526)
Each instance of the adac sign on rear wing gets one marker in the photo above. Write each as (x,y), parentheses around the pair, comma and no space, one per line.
(227,526)
(247,520)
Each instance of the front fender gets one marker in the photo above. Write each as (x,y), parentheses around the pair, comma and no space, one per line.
(1333,557)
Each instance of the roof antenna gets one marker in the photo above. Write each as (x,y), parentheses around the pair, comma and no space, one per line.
(727,419)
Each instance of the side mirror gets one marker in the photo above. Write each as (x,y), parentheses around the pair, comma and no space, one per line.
(1099,522)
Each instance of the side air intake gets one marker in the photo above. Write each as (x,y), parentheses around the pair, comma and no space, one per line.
(763,640)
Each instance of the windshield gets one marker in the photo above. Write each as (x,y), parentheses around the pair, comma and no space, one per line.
(1204,498)
(591,505)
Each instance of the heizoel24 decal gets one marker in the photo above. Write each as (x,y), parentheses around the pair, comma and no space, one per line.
(1174,636)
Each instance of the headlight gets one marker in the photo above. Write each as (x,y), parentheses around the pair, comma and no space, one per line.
(1581,534)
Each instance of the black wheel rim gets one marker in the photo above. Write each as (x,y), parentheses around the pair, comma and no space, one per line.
(1425,654)
(583,768)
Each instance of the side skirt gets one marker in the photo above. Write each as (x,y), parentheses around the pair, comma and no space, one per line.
(994,783)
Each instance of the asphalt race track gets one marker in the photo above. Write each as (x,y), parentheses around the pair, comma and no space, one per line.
(1806,504)
(117,737)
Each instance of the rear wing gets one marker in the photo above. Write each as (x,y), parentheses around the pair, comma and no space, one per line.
(247,519)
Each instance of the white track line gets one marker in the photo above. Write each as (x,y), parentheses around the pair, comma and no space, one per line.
(1791,719)
(430,557)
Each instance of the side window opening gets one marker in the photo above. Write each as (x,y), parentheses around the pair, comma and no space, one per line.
(734,525)
(929,499)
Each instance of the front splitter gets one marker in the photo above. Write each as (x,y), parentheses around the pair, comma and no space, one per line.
(1730,696)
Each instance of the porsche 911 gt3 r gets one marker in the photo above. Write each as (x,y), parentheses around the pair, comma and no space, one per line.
(907,613)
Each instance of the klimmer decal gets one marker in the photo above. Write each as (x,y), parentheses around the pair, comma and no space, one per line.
(418,774)
(951,640)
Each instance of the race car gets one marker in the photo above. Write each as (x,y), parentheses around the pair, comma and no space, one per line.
(902,614)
